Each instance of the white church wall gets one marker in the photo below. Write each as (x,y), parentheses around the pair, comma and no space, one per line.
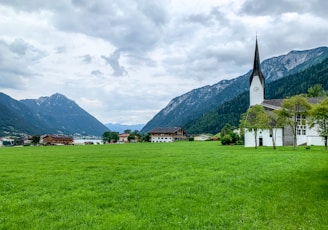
(278,134)
(265,136)
(249,139)
(301,139)
(256,91)
(314,138)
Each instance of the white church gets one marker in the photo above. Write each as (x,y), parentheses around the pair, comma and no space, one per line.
(283,136)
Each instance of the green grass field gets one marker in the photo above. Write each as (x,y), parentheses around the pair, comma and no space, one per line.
(185,185)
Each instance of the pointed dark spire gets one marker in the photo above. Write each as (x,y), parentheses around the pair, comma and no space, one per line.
(257,66)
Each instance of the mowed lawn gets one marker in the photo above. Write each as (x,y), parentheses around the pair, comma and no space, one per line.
(184,185)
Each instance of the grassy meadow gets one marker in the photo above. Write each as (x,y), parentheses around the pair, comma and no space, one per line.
(184,185)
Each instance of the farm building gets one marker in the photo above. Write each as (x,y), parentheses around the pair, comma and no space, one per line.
(169,134)
(57,140)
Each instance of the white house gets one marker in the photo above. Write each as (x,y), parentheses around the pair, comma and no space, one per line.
(169,134)
(124,137)
(7,142)
(283,136)
(203,137)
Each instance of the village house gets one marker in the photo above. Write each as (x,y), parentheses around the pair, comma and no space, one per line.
(124,137)
(57,140)
(169,134)
(127,137)
(203,137)
(6,142)
(283,136)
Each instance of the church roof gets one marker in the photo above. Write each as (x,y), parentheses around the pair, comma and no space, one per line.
(256,66)
(275,104)
(315,100)
(272,104)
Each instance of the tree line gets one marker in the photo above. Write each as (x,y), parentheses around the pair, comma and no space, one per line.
(113,137)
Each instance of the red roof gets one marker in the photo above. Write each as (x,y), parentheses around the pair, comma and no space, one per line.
(124,135)
(59,138)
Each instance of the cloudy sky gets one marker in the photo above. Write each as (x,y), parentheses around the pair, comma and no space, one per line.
(123,61)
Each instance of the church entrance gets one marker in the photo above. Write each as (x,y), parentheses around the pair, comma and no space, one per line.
(260,141)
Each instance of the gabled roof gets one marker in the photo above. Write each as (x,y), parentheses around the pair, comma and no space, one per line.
(166,130)
(124,135)
(272,104)
(275,104)
(315,100)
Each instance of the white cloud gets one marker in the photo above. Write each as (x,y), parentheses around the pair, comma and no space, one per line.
(123,61)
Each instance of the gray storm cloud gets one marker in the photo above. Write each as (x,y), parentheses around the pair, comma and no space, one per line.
(113,61)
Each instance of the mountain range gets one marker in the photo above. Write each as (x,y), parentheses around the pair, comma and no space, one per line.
(47,115)
(120,128)
(190,107)
(205,109)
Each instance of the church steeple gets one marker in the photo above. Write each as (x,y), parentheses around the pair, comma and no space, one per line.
(256,66)
(256,81)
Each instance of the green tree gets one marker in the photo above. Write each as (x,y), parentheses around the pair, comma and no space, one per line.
(145,137)
(228,136)
(131,137)
(128,131)
(227,129)
(274,122)
(319,119)
(316,91)
(290,109)
(134,135)
(255,119)
(35,140)
(226,139)
(109,137)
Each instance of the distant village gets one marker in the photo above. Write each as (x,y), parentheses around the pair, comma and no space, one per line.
(157,135)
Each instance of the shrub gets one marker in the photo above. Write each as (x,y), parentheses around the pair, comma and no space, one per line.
(226,140)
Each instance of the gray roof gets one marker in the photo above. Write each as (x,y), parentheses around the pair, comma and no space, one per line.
(315,100)
(166,130)
(272,104)
(276,103)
